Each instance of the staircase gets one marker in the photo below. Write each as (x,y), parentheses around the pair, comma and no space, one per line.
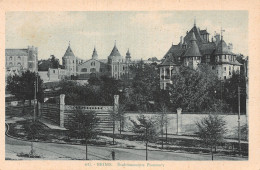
(105,123)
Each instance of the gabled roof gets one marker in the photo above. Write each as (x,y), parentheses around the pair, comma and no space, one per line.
(193,49)
(196,32)
(175,50)
(16,52)
(203,32)
(69,52)
(169,61)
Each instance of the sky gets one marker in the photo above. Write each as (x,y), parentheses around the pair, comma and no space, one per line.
(146,34)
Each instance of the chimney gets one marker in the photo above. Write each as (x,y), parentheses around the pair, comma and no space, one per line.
(230,47)
(217,37)
(181,40)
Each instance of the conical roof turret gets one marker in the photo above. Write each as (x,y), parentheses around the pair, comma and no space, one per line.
(193,49)
(69,52)
(115,52)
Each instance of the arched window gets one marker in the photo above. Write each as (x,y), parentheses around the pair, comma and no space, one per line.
(92,70)
(84,70)
(18,58)
(10,58)
(10,63)
(93,63)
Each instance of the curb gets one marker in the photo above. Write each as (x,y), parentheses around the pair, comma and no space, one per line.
(21,139)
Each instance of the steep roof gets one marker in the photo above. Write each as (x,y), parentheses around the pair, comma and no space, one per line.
(69,52)
(169,61)
(222,48)
(16,52)
(193,49)
(207,48)
(203,32)
(197,34)
(175,50)
(115,52)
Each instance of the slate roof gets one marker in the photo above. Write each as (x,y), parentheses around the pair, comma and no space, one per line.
(203,32)
(222,48)
(208,48)
(115,52)
(193,49)
(69,52)
(16,52)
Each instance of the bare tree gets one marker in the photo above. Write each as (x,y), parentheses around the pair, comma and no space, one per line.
(163,121)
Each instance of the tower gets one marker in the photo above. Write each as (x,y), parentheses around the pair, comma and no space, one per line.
(193,55)
(95,55)
(69,61)
(128,56)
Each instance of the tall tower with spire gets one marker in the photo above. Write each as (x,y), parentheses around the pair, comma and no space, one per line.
(94,55)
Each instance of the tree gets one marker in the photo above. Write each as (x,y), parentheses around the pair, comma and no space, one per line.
(144,85)
(163,121)
(194,90)
(33,128)
(147,130)
(211,131)
(54,62)
(230,92)
(83,124)
(23,86)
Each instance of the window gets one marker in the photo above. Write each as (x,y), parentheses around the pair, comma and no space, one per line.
(92,70)
(19,64)
(225,69)
(18,58)
(93,63)
(213,67)
(73,61)
(53,71)
(220,57)
(84,70)
(229,68)
(11,58)
(10,63)
(225,77)
(225,57)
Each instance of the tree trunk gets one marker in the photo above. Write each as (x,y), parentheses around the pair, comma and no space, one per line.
(166,134)
(86,149)
(120,128)
(113,132)
(162,138)
(23,107)
(211,149)
(146,150)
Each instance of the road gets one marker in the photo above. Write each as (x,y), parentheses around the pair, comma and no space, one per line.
(54,151)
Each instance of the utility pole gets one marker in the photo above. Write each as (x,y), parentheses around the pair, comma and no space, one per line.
(146,144)
(35,91)
(239,136)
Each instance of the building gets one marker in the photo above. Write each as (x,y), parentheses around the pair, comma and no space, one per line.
(119,65)
(196,48)
(71,62)
(18,60)
(92,67)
